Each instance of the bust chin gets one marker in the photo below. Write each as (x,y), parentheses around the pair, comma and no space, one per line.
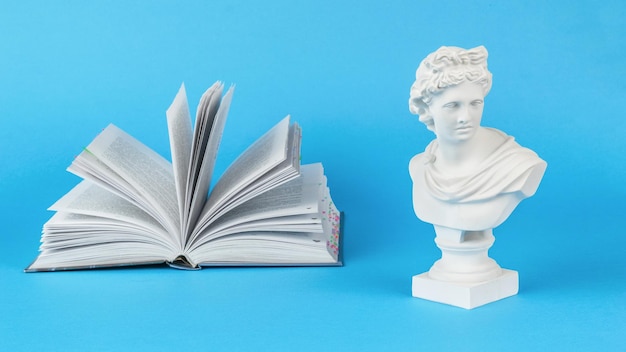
(482,197)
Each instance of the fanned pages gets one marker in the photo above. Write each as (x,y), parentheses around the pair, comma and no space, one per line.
(134,207)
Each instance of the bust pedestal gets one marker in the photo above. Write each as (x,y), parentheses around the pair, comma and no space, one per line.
(466,295)
(465,276)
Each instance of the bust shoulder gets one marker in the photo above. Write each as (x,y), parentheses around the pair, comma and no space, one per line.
(419,161)
(416,165)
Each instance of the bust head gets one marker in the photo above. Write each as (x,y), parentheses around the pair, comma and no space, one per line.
(445,68)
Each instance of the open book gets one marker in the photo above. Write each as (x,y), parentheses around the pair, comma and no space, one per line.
(133,207)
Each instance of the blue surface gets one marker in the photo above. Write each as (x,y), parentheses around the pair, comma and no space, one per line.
(343,70)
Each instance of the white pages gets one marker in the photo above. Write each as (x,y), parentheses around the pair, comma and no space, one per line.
(135,207)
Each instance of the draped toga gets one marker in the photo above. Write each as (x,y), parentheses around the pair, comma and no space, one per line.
(482,198)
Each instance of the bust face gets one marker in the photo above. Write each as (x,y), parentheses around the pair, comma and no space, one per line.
(457,112)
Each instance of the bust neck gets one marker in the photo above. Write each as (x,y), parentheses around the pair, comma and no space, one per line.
(459,157)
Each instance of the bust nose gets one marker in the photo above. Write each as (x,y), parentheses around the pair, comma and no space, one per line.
(463,116)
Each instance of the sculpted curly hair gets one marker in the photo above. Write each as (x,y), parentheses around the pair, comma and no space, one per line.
(446,67)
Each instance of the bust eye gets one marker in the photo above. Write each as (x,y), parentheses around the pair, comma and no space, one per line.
(477,102)
(452,105)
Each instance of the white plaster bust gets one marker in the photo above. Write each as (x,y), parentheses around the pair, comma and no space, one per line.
(468,180)
(470,177)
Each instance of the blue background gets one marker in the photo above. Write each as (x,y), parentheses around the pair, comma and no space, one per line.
(343,70)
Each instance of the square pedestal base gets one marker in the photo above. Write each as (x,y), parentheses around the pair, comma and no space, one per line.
(466,296)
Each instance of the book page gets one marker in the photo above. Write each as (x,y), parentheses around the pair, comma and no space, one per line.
(180,135)
(294,202)
(263,248)
(331,221)
(298,196)
(287,170)
(204,157)
(87,198)
(262,156)
(67,230)
(85,255)
(278,246)
(89,167)
(149,174)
